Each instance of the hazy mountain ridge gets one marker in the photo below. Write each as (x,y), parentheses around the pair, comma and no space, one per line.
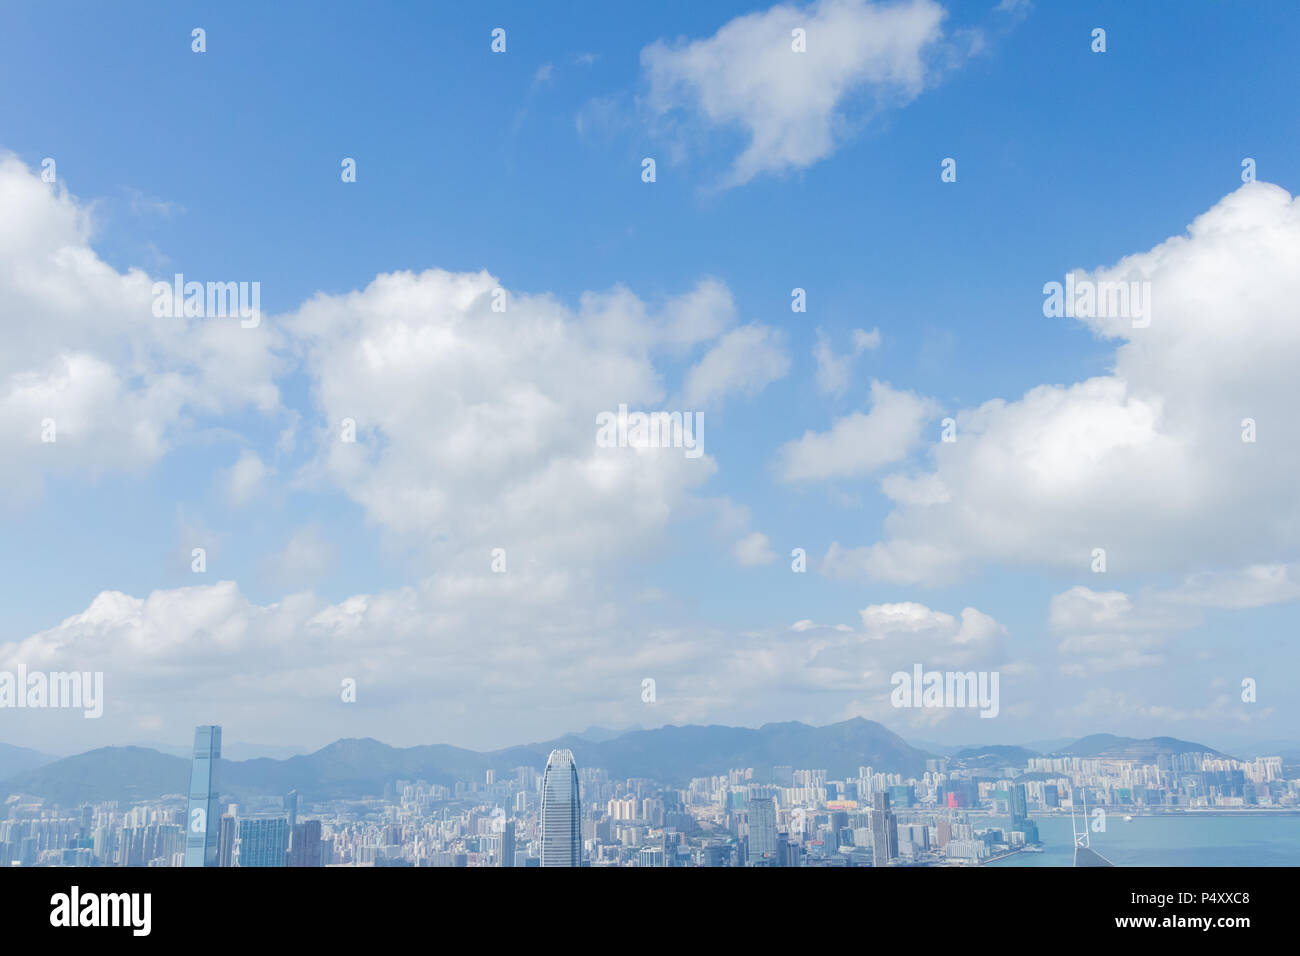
(991,756)
(360,767)
(14,760)
(1110,745)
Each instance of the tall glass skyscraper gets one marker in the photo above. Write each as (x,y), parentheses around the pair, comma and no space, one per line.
(205,818)
(561,820)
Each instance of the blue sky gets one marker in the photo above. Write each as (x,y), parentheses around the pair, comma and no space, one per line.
(527,164)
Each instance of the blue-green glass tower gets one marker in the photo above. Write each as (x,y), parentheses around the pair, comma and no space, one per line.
(204,818)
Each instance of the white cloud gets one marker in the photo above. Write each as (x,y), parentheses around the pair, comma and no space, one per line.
(951,640)
(897,637)
(244,479)
(1081,608)
(1255,586)
(859,444)
(925,489)
(476,428)
(1146,462)
(476,654)
(305,557)
(84,350)
(793,105)
(744,361)
(863,340)
(753,549)
(1143,716)
(834,371)
(1105,631)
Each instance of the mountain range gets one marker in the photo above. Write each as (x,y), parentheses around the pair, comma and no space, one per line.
(359,767)
(354,767)
(17,759)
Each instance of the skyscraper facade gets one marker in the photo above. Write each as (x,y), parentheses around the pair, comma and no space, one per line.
(884,830)
(1020,821)
(507,853)
(762,832)
(203,821)
(291,808)
(305,846)
(226,841)
(263,841)
(561,817)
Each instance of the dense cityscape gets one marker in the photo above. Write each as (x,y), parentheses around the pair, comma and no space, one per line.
(565,815)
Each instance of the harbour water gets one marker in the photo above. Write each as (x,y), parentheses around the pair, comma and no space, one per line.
(1171,840)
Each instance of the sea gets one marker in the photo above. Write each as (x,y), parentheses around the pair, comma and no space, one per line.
(1169,840)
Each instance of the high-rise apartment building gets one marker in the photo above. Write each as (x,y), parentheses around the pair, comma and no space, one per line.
(762,832)
(263,841)
(305,847)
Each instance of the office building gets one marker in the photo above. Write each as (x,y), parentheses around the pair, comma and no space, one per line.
(561,813)
(202,823)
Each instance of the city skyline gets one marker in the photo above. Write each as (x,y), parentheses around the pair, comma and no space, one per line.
(951,814)
(595,736)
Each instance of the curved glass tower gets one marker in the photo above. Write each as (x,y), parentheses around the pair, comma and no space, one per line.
(561,814)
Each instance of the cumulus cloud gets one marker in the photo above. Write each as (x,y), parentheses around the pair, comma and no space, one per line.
(793,106)
(860,443)
(476,428)
(87,364)
(1081,608)
(1102,631)
(896,637)
(1147,462)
